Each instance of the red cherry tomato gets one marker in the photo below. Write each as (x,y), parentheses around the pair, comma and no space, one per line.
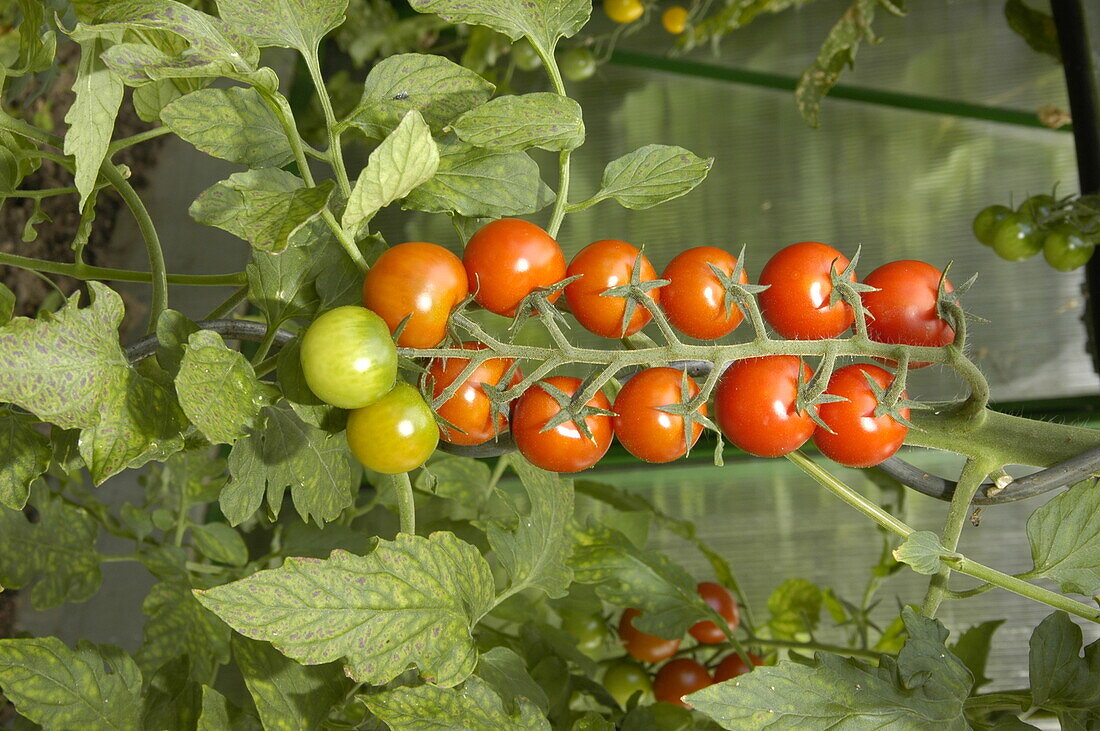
(418,279)
(720,600)
(564,448)
(508,259)
(605,264)
(470,410)
(796,302)
(903,309)
(754,405)
(860,439)
(649,434)
(694,299)
(679,677)
(732,666)
(641,646)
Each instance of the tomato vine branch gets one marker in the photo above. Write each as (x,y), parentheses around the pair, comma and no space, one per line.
(87,271)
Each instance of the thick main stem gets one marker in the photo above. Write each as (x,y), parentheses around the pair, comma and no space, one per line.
(973,474)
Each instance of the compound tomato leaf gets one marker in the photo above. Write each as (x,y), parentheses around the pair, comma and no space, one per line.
(58,687)
(218,389)
(651,175)
(536,551)
(141,422)
(280,285)
(91,118)
(544,120)
(220,543)
(973,647)
(26,456)
(435,86)
(629,577)
(37,41)
(263,207)
(57,554)
(475,707)
(411,601)
(472,181)
(926,687)
(179,625)
(1065,539)
(462,479)
(299,24)
(542,22)
(210,46)
(61,366)
(288,694)
(317,466)
(1062,681)
(837,53)
(306,405)
(231,124)
(405,159)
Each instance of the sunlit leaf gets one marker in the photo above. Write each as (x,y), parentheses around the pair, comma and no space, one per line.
(91,118)
(651,175)
(544,22)
(232,124)
(299,24)
(922,551)
(544,120)
(474,707)
(1064,534)
(287,695)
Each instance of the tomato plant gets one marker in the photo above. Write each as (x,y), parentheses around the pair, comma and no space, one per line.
(798,302)
(642,427)
(563,447)
(676,678)
(694,298)
(854,435)
(642,646)
(348,358)
(756,405)
(508,259)
(469,410)
(418,284)
(605,265)
(395,434)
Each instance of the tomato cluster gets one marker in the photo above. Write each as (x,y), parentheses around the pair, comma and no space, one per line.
(763,405)
(1040,223)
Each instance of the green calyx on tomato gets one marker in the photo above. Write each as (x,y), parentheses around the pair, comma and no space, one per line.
(643,423)
(555,433)
(348,357)
(853,435)
(395,434)
(799,302)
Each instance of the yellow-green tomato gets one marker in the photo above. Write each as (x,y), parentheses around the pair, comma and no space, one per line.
(348,357)
(624,679)
(396,433)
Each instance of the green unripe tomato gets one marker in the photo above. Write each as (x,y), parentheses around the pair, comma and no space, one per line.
(577,64)
(1016,238)
(1036,208)
(985,223)
(525,55)
(348,357)
(624,679)
(396,433)
(589,629)
(1065,248)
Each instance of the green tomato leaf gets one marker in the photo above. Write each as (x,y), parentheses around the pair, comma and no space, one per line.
(838,51)
(172,700)
(218,542)
(173,330)
(26,456)
(973,648)
(629,577)
(299,24)
(462,479)
(57,687)
(218,389)
(1062,681)
(475,708)
(404,160)
(218,714)
(544,120)
(650,175)
(411,601)
(37,41)
(280,285)
(179,625)
(287,695)
(209,47)
(435,86)
(317,466)
(141,422)
(263,207)
(1034,26)
(7,304)
(306,405)
(925,688)
(91,118)
(62,366)
(231,124)
(506,672)
(303,539)
(536,551)
(795,607)
(923,552)
(472,181)
(542,22)
(151,99)
(1065,539)
(56,554)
